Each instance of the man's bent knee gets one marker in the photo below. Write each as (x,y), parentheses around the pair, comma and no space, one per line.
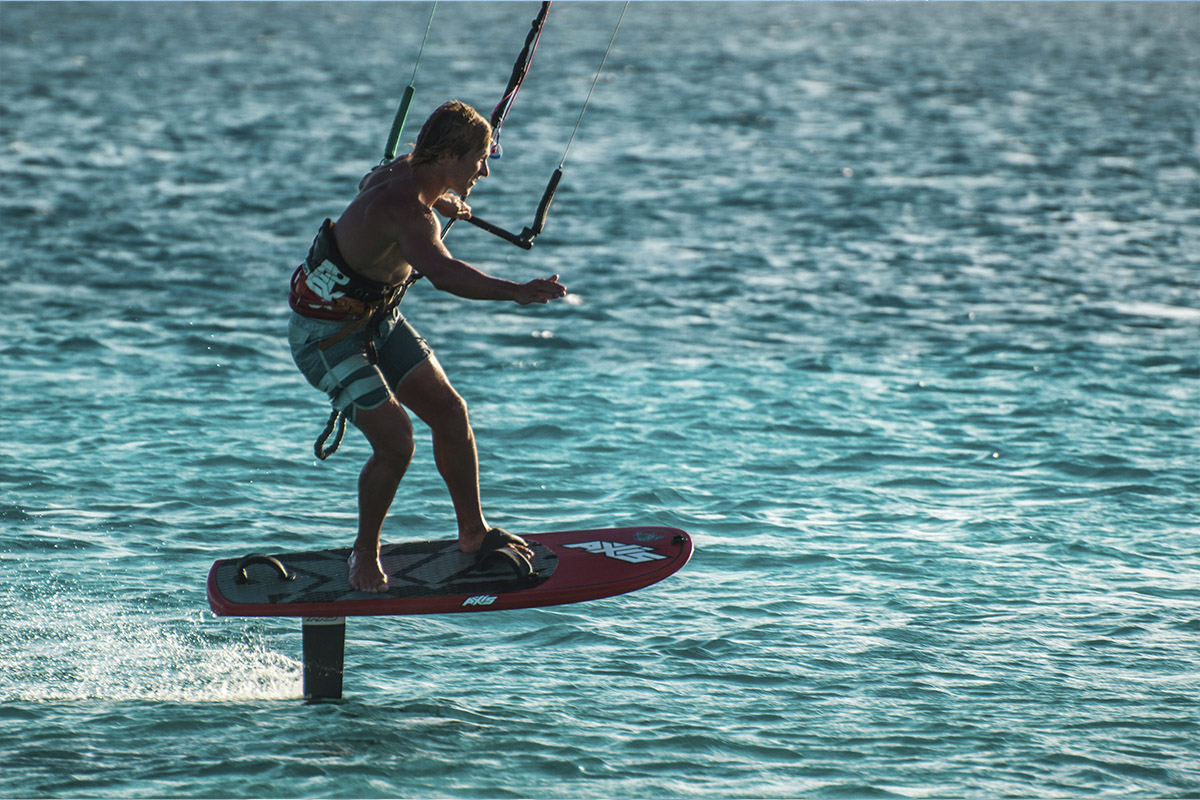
(450,417)
(454,409)
(389,431)
(396,452)
(431,397)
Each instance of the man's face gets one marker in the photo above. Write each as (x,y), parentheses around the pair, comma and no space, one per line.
(464,172)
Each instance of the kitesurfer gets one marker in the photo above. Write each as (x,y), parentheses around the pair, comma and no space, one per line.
(349,339)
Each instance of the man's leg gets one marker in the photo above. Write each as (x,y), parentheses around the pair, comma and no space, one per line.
(390,434)
(428,392)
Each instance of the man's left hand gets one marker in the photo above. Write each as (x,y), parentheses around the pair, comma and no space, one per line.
(540,290)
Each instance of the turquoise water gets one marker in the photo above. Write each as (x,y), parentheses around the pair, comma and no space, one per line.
(894,307)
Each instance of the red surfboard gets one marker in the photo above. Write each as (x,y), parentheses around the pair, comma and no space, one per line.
(435,578)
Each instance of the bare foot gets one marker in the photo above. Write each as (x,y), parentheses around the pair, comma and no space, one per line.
(366,573)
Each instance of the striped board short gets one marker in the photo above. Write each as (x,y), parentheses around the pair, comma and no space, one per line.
(346,371)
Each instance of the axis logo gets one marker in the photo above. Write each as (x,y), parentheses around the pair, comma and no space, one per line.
(631,553)
(479,600)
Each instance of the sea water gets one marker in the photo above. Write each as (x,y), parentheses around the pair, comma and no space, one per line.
(893,307)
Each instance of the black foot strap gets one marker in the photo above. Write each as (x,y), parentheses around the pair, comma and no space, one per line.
(496,547)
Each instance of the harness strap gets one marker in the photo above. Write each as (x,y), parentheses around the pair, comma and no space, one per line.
(375,314)
(349,329)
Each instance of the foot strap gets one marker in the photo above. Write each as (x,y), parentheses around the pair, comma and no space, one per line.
(496,548)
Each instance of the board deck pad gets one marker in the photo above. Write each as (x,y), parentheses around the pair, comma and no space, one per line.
(436,578)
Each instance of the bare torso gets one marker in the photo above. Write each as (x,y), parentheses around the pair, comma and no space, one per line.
(370,230)
(390,229)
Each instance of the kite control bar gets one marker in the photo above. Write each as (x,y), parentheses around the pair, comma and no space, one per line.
(520,69)
(524,239)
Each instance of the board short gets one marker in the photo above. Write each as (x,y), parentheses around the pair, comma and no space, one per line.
(346,370)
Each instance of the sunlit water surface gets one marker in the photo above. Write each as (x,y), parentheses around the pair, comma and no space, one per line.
(894,307)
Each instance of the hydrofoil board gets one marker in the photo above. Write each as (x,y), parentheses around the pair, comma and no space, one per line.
(436,578)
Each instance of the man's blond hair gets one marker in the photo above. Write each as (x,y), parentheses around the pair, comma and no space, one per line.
(453,130)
